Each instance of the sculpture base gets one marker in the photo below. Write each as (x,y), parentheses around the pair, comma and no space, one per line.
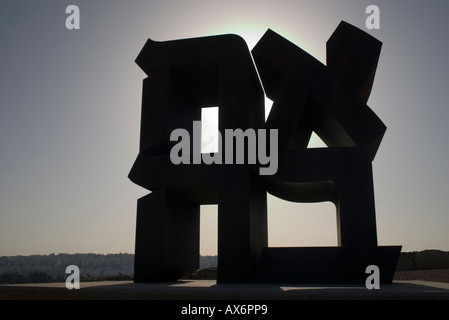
(321,265)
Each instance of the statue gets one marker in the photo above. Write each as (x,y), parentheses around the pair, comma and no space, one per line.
(187,75)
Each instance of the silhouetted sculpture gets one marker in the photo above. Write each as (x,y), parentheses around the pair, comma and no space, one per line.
(187,75)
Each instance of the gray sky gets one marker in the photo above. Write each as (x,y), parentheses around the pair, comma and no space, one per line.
(70,118)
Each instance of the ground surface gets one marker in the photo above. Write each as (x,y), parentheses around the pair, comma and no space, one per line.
(419,284)
(209,290)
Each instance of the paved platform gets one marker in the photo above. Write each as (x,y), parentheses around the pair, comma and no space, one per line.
(210,290)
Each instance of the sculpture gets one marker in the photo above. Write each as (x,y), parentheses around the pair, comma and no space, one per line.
(187,75)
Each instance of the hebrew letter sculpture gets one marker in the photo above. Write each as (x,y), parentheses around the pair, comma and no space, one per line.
(187,75)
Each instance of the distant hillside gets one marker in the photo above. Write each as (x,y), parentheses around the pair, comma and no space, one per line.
(47,268)
(91,265)
(208,262)
(423,260)
(44,268)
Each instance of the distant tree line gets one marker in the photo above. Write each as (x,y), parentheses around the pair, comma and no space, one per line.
(208,262)
(42,277)
(94,267)
(423,260)
(33,277)
(50,268)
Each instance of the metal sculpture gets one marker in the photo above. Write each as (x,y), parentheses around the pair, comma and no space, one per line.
(187,75)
